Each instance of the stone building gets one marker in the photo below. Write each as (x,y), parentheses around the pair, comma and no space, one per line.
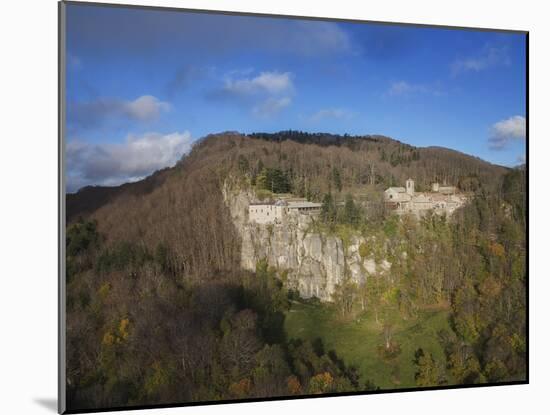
(441,200)
(274,211)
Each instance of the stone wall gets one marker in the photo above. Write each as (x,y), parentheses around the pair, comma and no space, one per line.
(264,214)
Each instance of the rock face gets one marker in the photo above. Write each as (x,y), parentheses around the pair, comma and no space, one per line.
(315,263)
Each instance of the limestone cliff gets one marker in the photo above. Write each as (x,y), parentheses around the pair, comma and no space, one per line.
(315,263)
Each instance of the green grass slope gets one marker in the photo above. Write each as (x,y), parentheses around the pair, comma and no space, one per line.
(357,341)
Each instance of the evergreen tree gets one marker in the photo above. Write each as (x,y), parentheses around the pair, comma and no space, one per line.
(328,209)
(243,164)
(262,180)
(351,212)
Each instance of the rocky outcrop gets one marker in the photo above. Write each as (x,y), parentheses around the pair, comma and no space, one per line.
(314,263)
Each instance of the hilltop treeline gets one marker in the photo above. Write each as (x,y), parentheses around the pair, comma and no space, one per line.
(159,311)
(382,160)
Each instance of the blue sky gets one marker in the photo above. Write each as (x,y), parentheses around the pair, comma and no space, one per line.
(143,85)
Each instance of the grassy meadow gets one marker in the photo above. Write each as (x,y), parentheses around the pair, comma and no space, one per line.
(357,341)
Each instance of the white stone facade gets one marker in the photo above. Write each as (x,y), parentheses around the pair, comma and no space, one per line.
(264,213)
(441,200)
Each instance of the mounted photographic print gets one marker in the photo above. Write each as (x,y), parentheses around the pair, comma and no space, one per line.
(264,207)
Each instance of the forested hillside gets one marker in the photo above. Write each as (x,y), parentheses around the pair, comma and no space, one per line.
(159,310)
(313,163)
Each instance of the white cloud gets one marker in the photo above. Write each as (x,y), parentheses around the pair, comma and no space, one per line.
(265,94)
(502,132)
(271,106)
(267,82)
(331,113)
(490,56)
(521,159)
(145,108)
(113,164)
(89,114)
